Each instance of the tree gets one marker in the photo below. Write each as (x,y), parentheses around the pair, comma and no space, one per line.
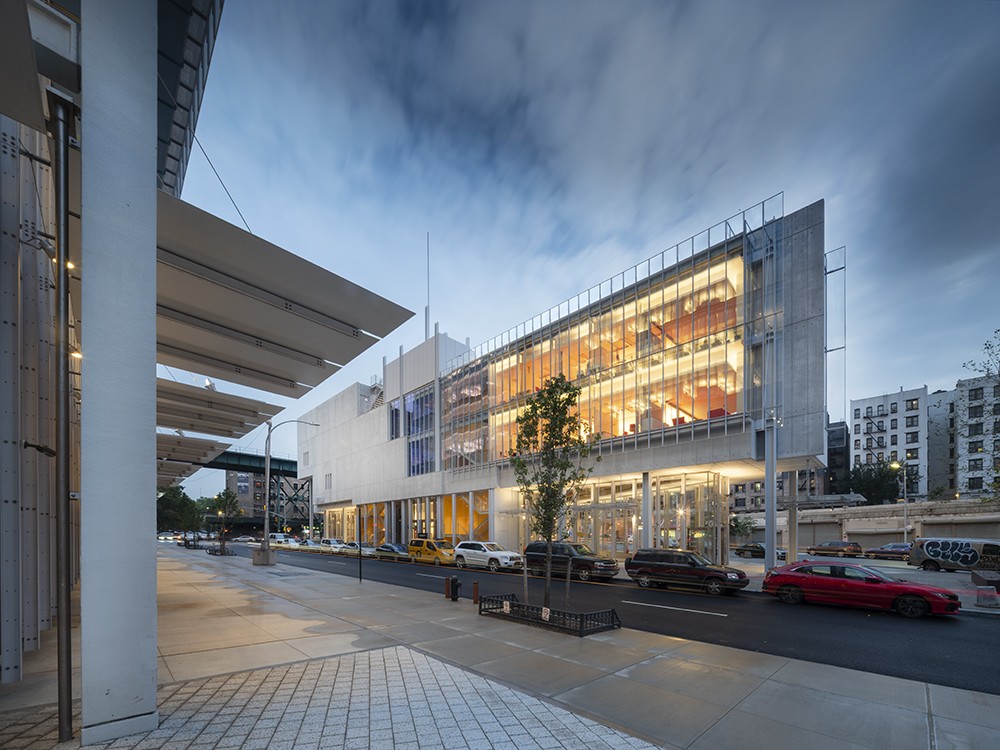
(879,482)
(224,505)
(988,367)
(548,461)
(191,520)
(171,504)
(741,526)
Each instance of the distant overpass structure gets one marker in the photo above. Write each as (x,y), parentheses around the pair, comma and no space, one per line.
(253,463)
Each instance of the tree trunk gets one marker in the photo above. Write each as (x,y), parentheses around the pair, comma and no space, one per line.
(546,600)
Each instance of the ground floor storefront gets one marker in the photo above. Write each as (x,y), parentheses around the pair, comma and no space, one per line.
(611,515)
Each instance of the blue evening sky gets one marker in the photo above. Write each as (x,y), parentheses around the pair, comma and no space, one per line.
(546,146)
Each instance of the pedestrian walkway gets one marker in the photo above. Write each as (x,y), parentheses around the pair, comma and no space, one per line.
(284,657)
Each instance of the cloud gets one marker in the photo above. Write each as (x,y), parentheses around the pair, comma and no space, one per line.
(547,146)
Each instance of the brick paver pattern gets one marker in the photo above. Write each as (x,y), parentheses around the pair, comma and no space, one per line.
(373,700)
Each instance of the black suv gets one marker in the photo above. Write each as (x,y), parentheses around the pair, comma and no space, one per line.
(836,547)
(584,562)
(667,567)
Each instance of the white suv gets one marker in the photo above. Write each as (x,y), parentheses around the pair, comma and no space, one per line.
(332,545)
(485,555)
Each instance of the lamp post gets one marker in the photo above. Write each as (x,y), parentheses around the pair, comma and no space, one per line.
(897,465)
(222,532)
(263,555)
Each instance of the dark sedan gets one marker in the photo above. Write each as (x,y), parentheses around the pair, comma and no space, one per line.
(756,549)
(392,552)
(891,551)
(857,585)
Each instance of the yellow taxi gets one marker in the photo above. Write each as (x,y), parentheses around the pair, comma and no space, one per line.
(437,551)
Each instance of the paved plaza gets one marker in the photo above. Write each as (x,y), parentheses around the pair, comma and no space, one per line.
(284,657)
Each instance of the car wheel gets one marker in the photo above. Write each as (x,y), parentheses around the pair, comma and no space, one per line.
(535,571)
(840,554)
(437,560)
(930,565)
(741,554)
(494,566)
(870,557)
(714,586)
(459,562)
(583,574)
(911,606)
(644,580)
(790,594)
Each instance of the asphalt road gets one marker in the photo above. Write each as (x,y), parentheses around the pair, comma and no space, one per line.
(958,651)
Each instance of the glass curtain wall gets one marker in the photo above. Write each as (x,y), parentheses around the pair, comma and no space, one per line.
(688,512)
(649,356)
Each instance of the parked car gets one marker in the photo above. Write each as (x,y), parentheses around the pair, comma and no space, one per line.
(891,551)
(686,568)
(857,585)
(583,562)
(955,554)
(486,555)
(392,551)
(432,551)
(308,544)
(836,547)
(332,544)
(244,538)
(351,548)
(756,549)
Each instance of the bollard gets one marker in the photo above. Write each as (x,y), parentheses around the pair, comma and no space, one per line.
(475,592)
(455,586)
(447,587)
(986,596)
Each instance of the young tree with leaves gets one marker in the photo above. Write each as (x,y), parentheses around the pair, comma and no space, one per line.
(741,526)
(171,504)
(225,505)
(549,460)
(988,367)
(880,482)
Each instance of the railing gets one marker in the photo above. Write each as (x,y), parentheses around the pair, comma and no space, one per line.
(508,607)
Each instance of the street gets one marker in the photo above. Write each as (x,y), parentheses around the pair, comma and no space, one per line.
(954,651)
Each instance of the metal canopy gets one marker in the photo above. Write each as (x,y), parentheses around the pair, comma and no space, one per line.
(179,456)
(20,97)
(236,307)
(187,407)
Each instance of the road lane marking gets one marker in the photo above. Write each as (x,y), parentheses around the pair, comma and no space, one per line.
(428,575)
(678,609)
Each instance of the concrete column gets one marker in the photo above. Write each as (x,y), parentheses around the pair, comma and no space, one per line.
(118,423)
(646,517)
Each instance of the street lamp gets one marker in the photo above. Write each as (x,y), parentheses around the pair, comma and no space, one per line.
(222,535)
(897,466)
(263,556)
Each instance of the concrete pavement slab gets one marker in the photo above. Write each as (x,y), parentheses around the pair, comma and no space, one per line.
(968,706)
(543,675)
(893,691)
(467,650)
(721,685)
(861,722)
(739,730)
(660,715)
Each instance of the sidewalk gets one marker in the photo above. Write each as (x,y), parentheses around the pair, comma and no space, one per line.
(286,658)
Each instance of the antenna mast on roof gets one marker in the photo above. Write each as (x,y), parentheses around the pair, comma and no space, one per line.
(427,310)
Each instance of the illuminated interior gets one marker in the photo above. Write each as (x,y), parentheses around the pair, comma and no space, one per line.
(664,352)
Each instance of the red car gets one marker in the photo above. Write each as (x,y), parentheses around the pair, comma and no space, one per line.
(855,584)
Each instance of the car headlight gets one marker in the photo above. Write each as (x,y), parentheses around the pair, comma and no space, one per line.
(732,576)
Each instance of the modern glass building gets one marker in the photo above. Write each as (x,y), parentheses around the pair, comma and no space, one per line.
(683,362)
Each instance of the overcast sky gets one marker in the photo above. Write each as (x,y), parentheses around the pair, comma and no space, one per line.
(547,146)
